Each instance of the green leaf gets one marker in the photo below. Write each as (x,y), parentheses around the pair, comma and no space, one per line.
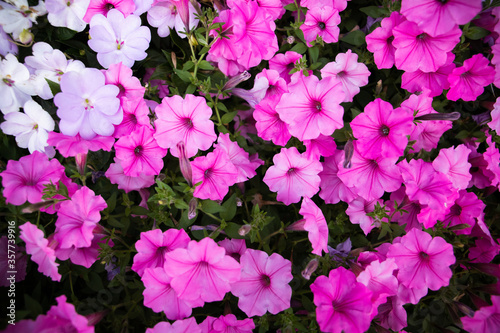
(291,7)
(228,117)
(476,33)
(183,75)
(300,48)
(190,89)
(54,86)
(374,11)
(229,208)
(138,210)
(314,53)
(65,33)
(356,38)
(212,207)
(205,65)
(187,66)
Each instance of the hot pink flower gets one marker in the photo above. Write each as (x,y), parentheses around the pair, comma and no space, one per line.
(412,208)
(202,271)
(381,130)
(423,261)
(186,120)
(342,303)
(466,209)
(484,251)
(333,188)
(264,283)
(347,70)
(135,115)
(379,42)
(127,183)
(468,82)
(323,22)
(417,50)
(74,145)
(227,324)
(485,319)
(293,176)
(41,253)
(392,315)
(122,77)
(216,172)
(453,163)
(139,153)
(77,218)
(312,106)
(446,15)
(153,245)
(24,180)
(494,124)
(323,145)
(234,247)
(126,7)
(358,210)
(340,5)
(268,122)
(315,224)
(179,326)
(284,63)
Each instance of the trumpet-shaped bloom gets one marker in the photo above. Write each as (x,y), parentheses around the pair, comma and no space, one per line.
(358,210)
(263,285)
(202,271)
(342,303)
(117,38)
(468,82)
(347,70)
(322,22)
(379,41)
(74,145)
(333,189)
(135,115)
(116,175)
(423,261)
(315,225)
(185,326)
(126,7)
(268,122)
(284,63)
(24,180)
(77,218)
(466,210)
(186,120)
(293,176)
(323,145)
(312,106)
(485,319)
(86,105)
(130,86)
(453,163)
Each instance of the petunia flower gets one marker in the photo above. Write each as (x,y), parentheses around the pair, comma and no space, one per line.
(485,319)
(284,63)
(349,72)
(202,271)
(263,285)
(312,106)
(358,211)
(186,120)
(268,122)
(74,145)
(165,16)
(342,303)
(453,163)
(234,247)
(314,223)
(333,189)
(117,38)
(466,210)
(293,176)
(184,326)
(122,77)
(135,115)
(323,145)
(322,22)
(423,261)
(116,175)
(412,209)
(126,7)
(392,315)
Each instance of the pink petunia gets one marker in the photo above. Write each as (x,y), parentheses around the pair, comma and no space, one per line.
(77,218)
(333,189)
(186,120)
(485,320)
(453,163)
(179,326)
(312,106)
(342,303)
(202,271)
(24,180)
(494,124)
(227,324)
(322,22)
(74,145)
(423,261)
(466,209)
(41,253)
(234,247)
(293,176)
(268,122)
(116,175)
(152,246)
(351,73)
(284,63)
(323,145)
(122,77)
(263,285)
(135,115)
(216,173)
(379,41)
(358,211)
(392,315)
(412,209)
(126,7)
(468,82)
(315,225)
(139,153)
(484,251)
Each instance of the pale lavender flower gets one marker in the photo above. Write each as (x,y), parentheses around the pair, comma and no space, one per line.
(15,87)
(6,45)
(67,13)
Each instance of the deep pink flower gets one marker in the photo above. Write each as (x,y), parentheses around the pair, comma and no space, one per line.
(186,120)
(351,73)
(263,285)
(446,15)
(412,208)
(333,188)
(41,252)
(492,158)
(358,210)
(268,122)
(417,50)
(126,7)
(312,106)
(179,326)
(234,247)
(293,176)
(322,22)
(122,77)
(216,173)
(153,245)
(382,130)
(127,183)
(24,180)
(139,153)
(314,223)
(468,82)
(379,41)
(73,145)
(284,63)
(323,145)
(484,251)
(453,163)
(494,124)
(342,303)
(423,261)
(340,5)
(202,271)
(274,8)
(392,315)
(227,324)
(466,209)
(77,218)
(485,320)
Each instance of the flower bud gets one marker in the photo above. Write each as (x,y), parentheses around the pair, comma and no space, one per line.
(245,229)
(297,226)
(310,268)
(439,116)
(185,164)
(235,80)
(26,37)
(81,162)
(348,152)
(193,204)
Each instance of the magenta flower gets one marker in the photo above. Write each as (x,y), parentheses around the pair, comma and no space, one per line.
(379,41)
(485,319)
(24,180)
(312,106)
(351,73)
(284,63)
(73,145)
(446,15)
(468,82)
(381,130)
(358,210)
(185,326)
(234,247)
(86,105)
(323,145)
(293,176)
(412,208)
(116,175)
(186,120)
(322,22)
(453,163)
(494,124)
(417,50)
(153,245)
(227,324)
(202,271)
(315,225)
(268,122)
(135,115)
(216,173)
(126,7)
(342,303)
(139,153)
(41,253)
(333,189)
(466,210)
(77,218)
(121,76)
(264,283)
(423,261)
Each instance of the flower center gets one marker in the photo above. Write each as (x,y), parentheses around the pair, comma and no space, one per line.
(291,171)
(422,36)
(390,39)
(265,280)
(341,74)
(119,44)
(455,210)
(322,25)
(317,105)
(424,256)
(88,105)
(8,81)
(138,150)
(109,6)
(208,173)
(188,123)
(384,130)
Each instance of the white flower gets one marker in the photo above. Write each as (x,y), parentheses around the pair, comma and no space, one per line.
(15,84)
(6,44)
(19,16)
(67,13)
(30,128)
